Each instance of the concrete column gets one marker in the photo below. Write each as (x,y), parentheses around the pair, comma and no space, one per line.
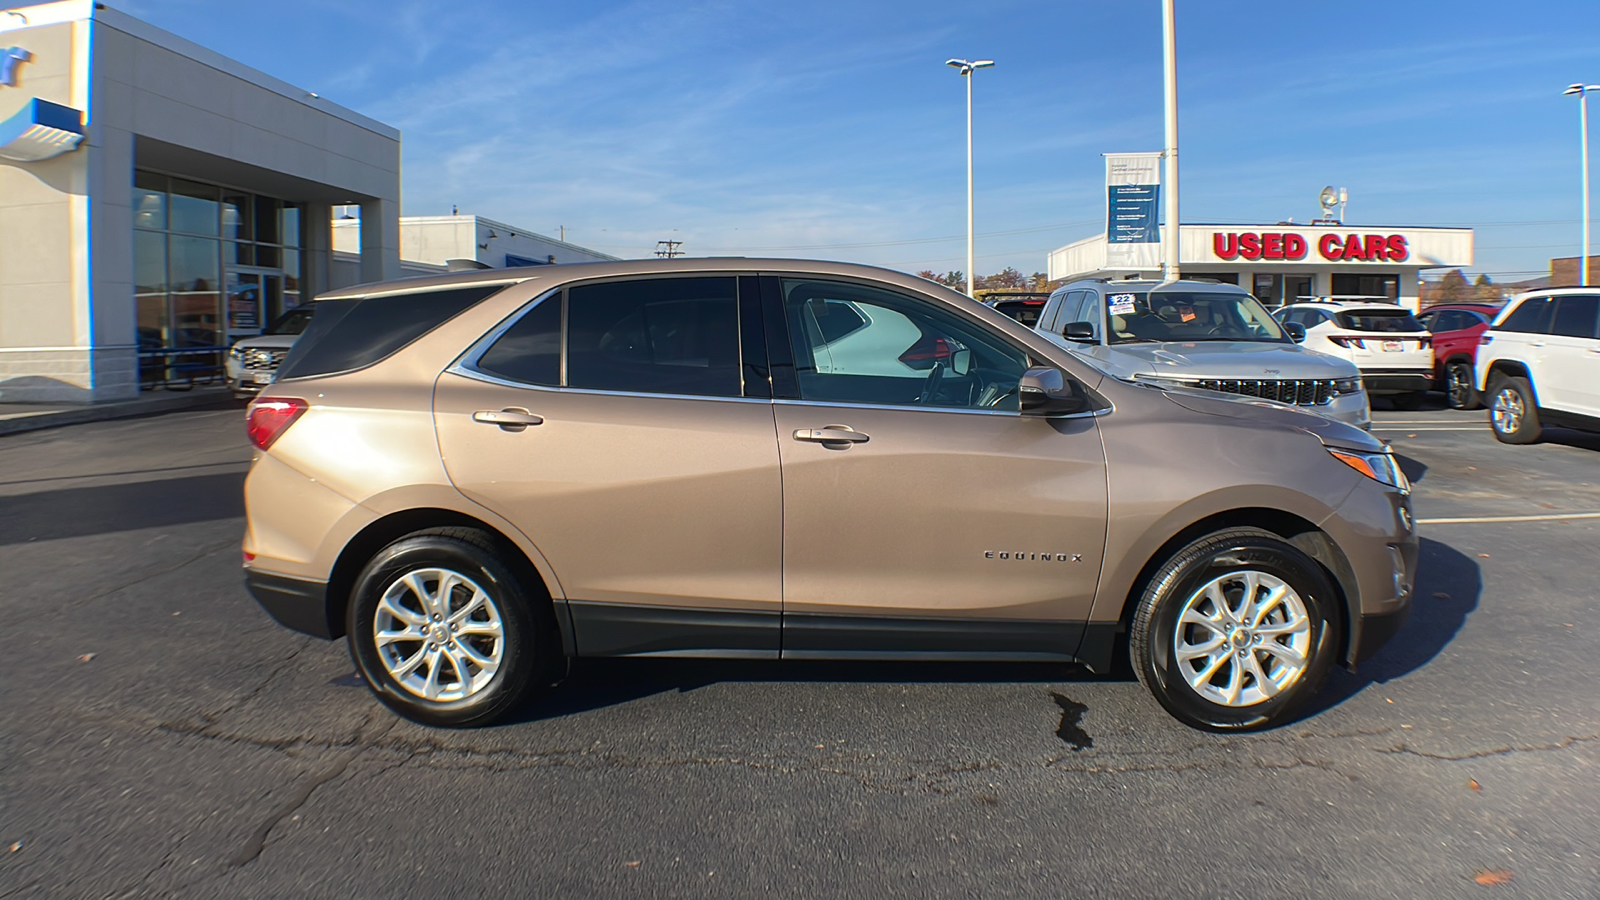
(380,240)
(316,236)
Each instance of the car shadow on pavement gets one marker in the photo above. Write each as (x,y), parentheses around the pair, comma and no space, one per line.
(1447,590)
(1568,437)
(599,683)
(1415,469)
(81,511)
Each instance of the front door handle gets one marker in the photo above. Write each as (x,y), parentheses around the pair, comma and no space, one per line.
(510,419)
(831,434)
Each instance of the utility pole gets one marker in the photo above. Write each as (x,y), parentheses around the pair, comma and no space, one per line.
(1169,43)
(669,249)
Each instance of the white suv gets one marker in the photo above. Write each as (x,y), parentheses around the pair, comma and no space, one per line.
(1386,342)
(1540,362)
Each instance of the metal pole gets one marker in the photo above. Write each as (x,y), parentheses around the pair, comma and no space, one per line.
(1583,124)
(971,278)
(1169,47)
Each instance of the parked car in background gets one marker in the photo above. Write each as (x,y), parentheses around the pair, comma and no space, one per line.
(1200,335)
(1024,306)
(1539,363)
(1385,341)
(251,362)
(478,476)
(1456,328)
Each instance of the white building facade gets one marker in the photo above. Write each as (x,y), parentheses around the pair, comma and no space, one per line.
(429,243)
(158,199)
(1283,262)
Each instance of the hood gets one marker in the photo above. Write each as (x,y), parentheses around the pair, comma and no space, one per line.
(267,342)
(1330,432)
(1229,359)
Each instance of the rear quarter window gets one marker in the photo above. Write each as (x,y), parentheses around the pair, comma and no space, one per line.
(1379,320)
(1532,316)
(350,334)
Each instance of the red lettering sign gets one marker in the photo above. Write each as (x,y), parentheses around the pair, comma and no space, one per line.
(1288,245)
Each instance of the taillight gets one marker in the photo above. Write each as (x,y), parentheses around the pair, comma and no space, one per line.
(1485,339)
(1349,342)
(267,419)
(925,352)
(1425,342)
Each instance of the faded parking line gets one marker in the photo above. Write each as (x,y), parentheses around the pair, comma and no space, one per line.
(1473,520)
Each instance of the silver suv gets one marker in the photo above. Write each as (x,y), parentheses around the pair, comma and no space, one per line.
(475,477)
(1200,335)
(252,362)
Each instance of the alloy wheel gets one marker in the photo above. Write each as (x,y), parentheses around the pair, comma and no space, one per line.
(1508,411)
(1243,638)
(439,635)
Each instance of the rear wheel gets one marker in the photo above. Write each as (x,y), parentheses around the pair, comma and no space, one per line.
(1513,413)
(1459,391)
(442,631)
(1236,631)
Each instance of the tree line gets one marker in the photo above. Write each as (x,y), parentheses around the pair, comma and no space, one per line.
(1008,278)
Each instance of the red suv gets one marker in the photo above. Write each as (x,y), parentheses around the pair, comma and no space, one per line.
(1455,328)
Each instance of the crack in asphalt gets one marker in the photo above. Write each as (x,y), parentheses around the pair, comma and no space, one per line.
(232,542)
(1403,749)
(258,841)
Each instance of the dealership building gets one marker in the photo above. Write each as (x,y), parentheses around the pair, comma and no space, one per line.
(159,200)
(1283,262)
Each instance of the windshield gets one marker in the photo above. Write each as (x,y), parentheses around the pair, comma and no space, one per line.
(1184,316)
(292,322)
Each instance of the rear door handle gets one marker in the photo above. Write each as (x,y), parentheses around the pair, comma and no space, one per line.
(831,434)
(511,418)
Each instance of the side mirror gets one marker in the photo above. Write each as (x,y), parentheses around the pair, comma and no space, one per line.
(1079,331)
(1295,331)
(1044,391)
(961,362)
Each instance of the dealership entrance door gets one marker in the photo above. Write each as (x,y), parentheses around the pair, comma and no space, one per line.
(254,297)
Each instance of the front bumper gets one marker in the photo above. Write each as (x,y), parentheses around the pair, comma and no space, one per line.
(296,603)
(1376,532)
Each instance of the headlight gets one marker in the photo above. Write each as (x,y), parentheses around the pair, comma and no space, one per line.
(1380,467)
(236,351)
(1347,385)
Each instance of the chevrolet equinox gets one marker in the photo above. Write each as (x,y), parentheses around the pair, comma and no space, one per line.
(475,477)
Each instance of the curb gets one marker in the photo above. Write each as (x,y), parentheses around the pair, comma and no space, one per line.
(53,417)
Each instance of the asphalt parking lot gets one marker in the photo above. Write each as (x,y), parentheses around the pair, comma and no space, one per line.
(162,737)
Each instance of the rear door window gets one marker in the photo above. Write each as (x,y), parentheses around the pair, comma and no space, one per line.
(349,334)
(1575,315)
(1379,320)
(1532,316)
(657,336)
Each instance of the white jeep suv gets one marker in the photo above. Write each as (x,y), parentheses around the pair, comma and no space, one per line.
(1386,342)
(1539,362)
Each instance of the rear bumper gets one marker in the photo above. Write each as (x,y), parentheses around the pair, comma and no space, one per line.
(1397,382)
(296,603)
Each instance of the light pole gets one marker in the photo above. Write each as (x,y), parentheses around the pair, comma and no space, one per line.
(1169,71)
(966,69)
(1582,90)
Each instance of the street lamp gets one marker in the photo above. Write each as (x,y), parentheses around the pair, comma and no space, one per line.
(966,69)
(1582,90)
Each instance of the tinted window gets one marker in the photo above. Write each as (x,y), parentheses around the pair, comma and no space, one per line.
(657,336)
(1531,316)
(1379,320)
(1053,320)
(530,350)
(349,334)
(909,352)
(1575,315)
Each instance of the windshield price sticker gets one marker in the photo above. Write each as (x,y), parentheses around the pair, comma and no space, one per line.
(1121,304)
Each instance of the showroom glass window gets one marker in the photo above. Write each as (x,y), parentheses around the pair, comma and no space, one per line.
(189,238)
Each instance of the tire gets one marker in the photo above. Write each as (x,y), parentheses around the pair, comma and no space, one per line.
(503,642)
(1459,390)
(1513,412)
(1409,401)
(1268,687)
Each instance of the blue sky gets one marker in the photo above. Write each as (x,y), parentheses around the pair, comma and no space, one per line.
(834,130)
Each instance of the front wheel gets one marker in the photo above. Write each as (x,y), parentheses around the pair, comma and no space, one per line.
(1459,391)
(1513,413)
(1236,631)
(442,631)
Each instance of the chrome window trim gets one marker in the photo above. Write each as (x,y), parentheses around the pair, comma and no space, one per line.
(485,377)
(1017,414)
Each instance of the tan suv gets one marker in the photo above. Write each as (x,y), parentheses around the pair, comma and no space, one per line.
(478,476)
